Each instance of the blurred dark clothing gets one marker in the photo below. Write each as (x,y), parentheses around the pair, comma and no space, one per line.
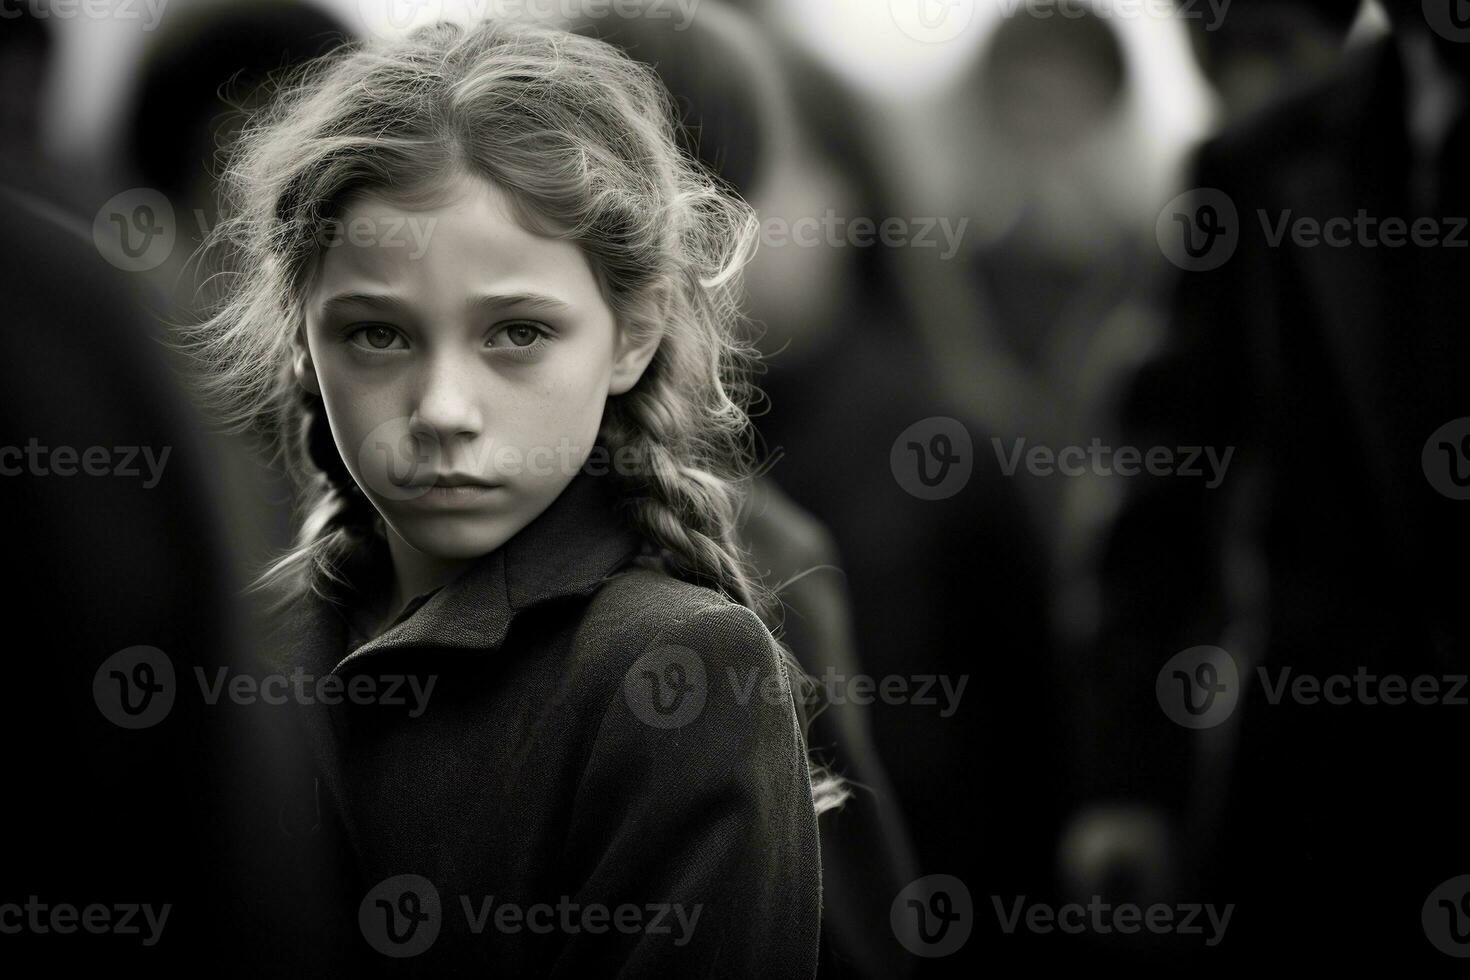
(949,588)
(100,562)
(1326,551)
(867,857)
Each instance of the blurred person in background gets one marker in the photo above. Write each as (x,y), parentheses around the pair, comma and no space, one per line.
(946,587)
(1337,368)
(201,74)
(126,786)
(1052,298)
(203,71)
(1260,52)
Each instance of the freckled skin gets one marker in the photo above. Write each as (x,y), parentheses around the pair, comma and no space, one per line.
(422,377)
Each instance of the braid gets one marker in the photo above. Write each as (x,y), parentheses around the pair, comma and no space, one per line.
(684,509)
(690,513)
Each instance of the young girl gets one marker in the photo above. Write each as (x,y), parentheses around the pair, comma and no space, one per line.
(484,310)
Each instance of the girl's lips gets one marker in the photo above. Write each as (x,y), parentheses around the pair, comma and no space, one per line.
(451,496)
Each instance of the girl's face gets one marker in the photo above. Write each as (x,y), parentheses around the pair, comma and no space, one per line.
(464,363)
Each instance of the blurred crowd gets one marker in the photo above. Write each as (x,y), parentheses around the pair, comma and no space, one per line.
(952,275)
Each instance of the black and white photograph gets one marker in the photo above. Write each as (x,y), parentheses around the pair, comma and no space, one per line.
(852,489)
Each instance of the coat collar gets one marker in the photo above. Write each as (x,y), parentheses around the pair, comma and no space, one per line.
(568,550)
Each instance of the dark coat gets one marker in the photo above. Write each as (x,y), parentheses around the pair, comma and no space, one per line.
(1327,551)
(600,737)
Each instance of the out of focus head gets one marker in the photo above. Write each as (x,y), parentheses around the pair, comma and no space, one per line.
(1257,52)
(208,61)
(1045,83)
(743,98)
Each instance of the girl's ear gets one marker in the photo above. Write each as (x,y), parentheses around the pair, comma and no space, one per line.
(632,358)
(304,370)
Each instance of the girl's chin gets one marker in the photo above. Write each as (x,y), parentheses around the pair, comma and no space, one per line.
(454,536)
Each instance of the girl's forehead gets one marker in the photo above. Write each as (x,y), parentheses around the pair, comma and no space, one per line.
(466,240)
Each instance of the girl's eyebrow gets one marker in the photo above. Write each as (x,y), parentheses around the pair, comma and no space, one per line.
(533,302)
(356,301)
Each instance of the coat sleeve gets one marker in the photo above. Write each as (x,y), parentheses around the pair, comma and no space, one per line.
(693,837)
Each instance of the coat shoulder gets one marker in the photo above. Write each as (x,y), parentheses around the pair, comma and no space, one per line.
(644,613)
(642,607)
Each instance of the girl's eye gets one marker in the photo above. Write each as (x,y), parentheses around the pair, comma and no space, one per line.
(378,337)
(520,334)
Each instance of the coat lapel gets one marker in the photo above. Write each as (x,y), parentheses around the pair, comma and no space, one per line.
(568,550)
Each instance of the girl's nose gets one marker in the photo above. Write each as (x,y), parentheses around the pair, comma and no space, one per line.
(448,407)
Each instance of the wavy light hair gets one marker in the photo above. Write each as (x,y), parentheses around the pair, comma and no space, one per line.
(583,141)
